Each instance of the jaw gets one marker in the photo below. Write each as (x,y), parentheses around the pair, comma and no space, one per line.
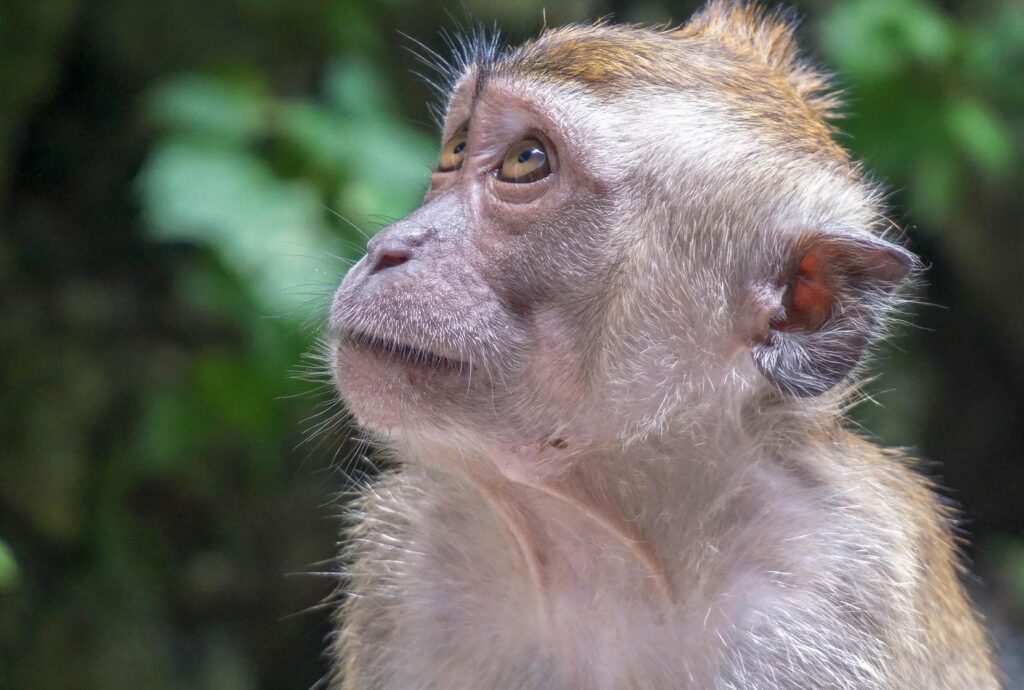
(403,391)
(447,406)
(388,387)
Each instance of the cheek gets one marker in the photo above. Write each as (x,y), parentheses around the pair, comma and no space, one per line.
(556,374)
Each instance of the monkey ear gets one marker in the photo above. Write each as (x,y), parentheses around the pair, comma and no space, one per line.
(826,307)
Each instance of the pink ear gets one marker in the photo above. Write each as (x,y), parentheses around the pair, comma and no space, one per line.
(828,265)
(836,290)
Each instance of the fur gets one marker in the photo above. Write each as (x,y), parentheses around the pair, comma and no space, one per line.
(612,465)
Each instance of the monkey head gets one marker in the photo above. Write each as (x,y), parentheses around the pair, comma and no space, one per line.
(627,230)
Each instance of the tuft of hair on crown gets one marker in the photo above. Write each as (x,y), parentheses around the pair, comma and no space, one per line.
(768,36)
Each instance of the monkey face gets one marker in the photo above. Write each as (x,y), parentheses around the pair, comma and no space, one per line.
(482,308)
(612,246)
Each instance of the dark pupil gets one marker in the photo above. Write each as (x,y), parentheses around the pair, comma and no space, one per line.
(459,147)
(526,155)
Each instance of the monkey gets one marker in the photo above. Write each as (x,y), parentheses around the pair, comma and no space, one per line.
(609,359)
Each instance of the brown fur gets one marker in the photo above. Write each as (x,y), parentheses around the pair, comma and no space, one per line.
(738,52)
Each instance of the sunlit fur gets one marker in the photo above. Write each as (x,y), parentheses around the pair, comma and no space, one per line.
(611,470)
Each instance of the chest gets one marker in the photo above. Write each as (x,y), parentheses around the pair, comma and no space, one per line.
(480,592)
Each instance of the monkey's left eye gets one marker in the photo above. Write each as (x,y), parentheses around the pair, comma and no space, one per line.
(527,161)
(452,153)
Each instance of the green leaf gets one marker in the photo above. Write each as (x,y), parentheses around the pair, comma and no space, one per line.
(208,106)
(875,40)
(10,574)
(934,188)
(264,228)
(353,86)
(387,164)
(980,134)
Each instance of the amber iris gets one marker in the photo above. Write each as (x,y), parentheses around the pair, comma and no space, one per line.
(527,161)
(453,153)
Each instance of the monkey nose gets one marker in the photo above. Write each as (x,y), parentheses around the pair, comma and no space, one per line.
(394,246)
(389,258)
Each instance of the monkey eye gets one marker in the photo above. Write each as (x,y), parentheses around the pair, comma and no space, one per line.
(453,152)
(527,161)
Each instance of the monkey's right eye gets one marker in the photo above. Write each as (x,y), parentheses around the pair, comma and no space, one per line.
(527,161)
(452,153)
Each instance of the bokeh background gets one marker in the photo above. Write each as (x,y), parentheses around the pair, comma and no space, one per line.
(181,184)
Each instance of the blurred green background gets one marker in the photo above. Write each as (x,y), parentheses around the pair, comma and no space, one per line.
(181,184)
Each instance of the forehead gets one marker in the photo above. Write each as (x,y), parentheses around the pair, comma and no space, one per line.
(604,59)
(622,64)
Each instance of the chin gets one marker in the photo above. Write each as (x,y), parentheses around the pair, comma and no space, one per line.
(388,386)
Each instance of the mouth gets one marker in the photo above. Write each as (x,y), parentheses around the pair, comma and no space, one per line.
(396,351)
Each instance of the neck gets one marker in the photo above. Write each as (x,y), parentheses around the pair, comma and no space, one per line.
(642,513)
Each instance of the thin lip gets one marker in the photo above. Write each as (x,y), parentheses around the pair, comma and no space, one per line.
(409,354)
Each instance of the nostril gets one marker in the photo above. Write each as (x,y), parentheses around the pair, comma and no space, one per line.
(390,258)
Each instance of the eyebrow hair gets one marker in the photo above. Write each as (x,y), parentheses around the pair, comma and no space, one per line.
(483,73)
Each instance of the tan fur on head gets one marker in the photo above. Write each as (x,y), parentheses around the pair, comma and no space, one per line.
(767,37)
(732,51)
